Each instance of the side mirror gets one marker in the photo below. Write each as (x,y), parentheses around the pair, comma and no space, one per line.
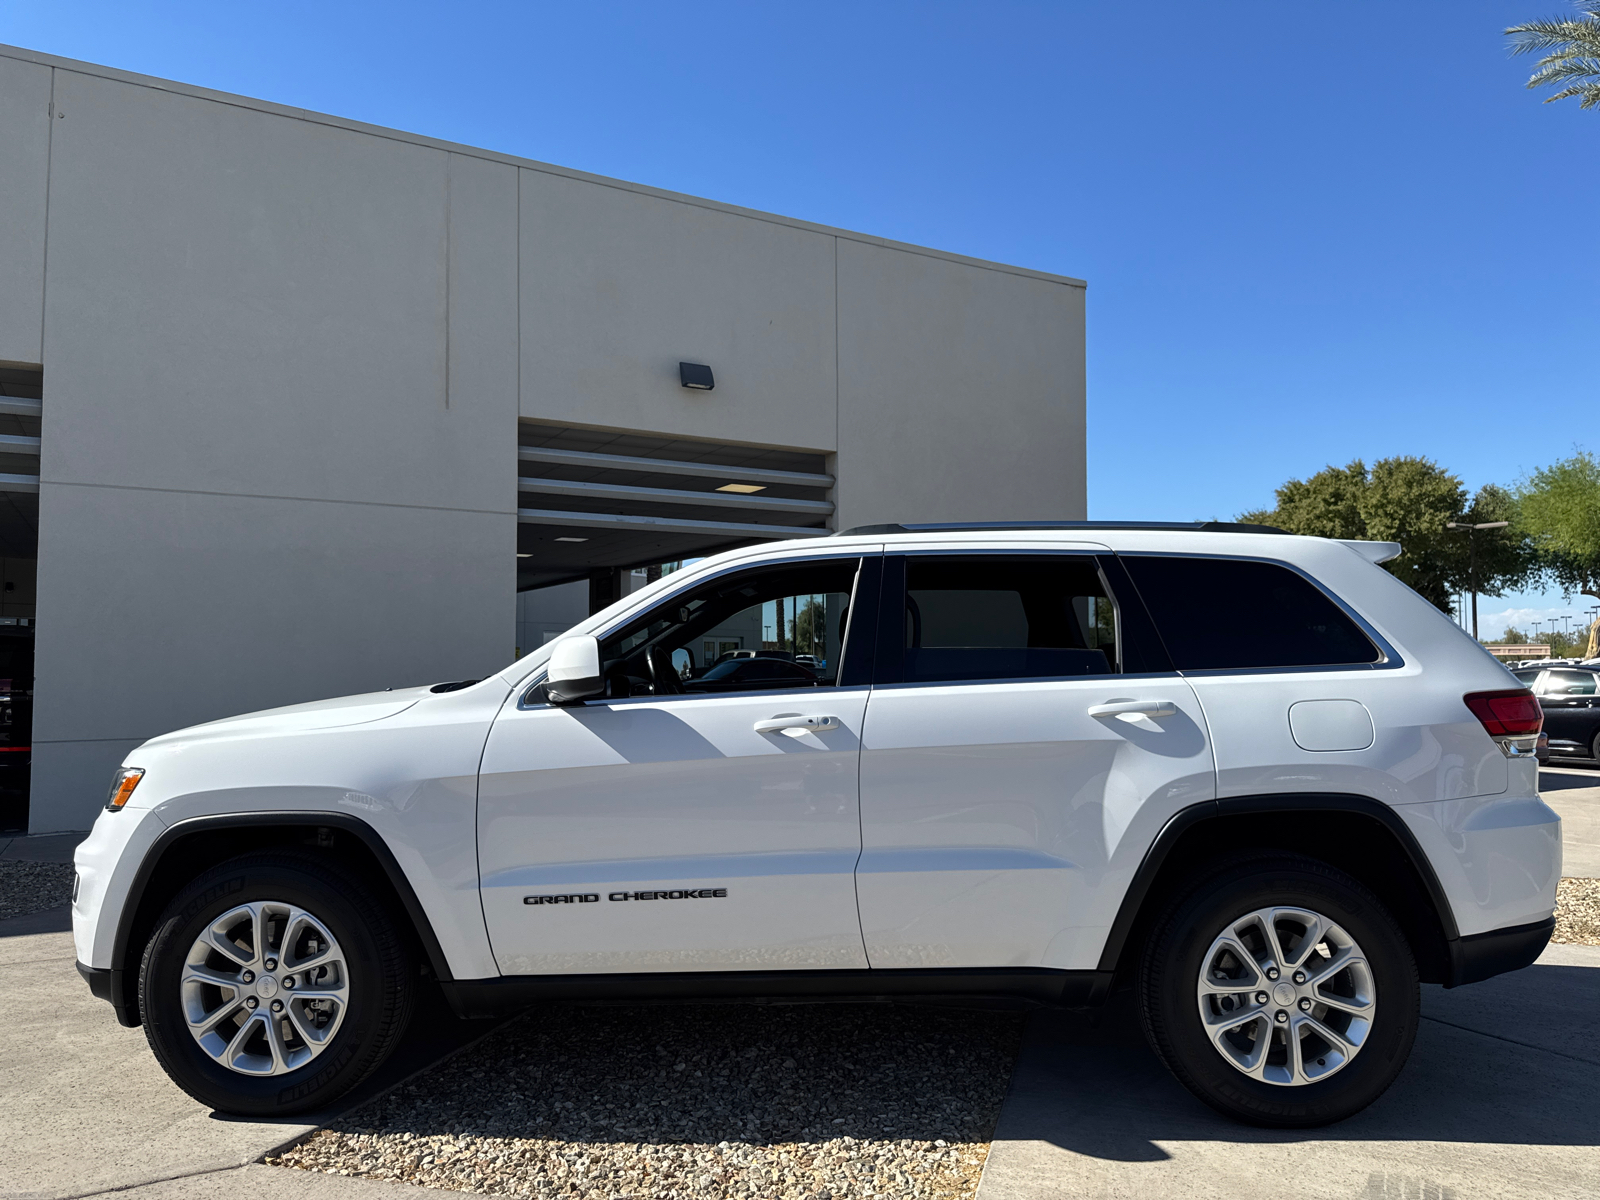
(574,671)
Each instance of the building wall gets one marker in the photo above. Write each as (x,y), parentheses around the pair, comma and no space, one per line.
(961,392)
(620,286)
(286,356)
(24,168)
(265,477)
(545,613)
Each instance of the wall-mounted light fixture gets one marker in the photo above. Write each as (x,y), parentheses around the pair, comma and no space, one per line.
(696,376)
(571,539)
(744,489)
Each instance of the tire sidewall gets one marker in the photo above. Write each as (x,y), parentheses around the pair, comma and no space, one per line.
(1183,1041)
(332,1071)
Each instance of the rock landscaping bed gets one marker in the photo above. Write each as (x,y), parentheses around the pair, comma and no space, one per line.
(824,1102)
(1578,912)
(30,887)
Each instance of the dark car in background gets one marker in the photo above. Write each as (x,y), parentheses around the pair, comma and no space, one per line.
(1570,697)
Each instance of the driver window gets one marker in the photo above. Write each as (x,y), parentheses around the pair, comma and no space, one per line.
(770,629)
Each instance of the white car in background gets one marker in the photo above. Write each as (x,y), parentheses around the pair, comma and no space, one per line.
(1252,775)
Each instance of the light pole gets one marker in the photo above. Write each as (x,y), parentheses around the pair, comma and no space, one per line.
(1472,559)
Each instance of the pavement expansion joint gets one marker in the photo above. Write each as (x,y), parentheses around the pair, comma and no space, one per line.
(1513,1041)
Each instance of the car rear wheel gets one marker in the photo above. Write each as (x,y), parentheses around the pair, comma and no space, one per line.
(272,985)
(1280,992)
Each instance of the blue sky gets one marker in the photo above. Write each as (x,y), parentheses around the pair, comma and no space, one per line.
(1311,232)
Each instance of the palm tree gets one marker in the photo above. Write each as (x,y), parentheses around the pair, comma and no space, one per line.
(1574,53)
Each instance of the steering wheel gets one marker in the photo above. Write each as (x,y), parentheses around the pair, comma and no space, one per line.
(663,675)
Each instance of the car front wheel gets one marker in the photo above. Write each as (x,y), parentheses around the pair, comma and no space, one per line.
(272,985)
(1281,992)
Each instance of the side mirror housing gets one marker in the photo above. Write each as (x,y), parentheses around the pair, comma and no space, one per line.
(574,671)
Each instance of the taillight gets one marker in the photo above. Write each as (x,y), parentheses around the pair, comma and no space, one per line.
(1512,718)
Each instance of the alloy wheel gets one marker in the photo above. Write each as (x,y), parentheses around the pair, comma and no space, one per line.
(1286,996)
(264,988)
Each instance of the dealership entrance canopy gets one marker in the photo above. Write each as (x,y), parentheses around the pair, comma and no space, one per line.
(294,407)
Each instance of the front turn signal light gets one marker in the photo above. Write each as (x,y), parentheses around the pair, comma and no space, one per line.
(122,785)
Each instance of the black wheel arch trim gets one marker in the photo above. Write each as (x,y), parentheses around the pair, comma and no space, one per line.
(123,981)
(1185,819)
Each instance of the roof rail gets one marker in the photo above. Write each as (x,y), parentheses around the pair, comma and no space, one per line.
(964,526)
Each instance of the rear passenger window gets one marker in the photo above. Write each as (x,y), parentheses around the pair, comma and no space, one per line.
(1006,618)
(1221,614)
(1568,683)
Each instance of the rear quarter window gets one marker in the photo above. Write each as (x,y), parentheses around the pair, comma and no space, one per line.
(1240,614)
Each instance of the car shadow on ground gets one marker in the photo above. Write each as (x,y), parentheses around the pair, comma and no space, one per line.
(710,1073)
(1507,1062)
(1485,1070)
(433,1035)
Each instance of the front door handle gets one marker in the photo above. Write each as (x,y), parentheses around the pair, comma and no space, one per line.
(798,724)
(1133,708)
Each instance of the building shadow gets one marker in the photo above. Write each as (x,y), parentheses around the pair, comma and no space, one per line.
(1560,781)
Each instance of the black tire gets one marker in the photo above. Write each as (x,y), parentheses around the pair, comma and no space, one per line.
(1170,978)
(381,969)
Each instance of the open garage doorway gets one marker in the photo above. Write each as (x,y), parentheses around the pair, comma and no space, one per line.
(603,512)
(21,389)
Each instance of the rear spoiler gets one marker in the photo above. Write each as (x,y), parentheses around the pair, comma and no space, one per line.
(1373,552)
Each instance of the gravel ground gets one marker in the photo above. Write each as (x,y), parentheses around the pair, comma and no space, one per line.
(1578,911)
(827,1102)
(30,887)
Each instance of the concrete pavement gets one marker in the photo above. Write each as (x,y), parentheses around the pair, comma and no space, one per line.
(1499,1099)
(1574,792)
(274,1183)
(88,1110)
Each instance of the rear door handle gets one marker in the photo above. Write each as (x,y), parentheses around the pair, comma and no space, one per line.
(801,724)
(1133,708)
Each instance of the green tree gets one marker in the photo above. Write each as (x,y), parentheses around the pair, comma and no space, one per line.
(1409,500)
(1326,505)
(1573,58)
(811,627)
(1513,637)
(1559,510)
(1566,643)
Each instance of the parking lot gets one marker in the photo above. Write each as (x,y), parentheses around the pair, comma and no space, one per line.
(835,1101)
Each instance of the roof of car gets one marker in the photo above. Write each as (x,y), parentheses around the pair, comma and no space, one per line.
(1373,552)
(980,526)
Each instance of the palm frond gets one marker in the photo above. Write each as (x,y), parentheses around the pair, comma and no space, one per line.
(1589,91)
(1553,70)
(1558,34)
(1574,53)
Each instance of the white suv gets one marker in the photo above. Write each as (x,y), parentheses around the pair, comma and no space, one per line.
(1253,776)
